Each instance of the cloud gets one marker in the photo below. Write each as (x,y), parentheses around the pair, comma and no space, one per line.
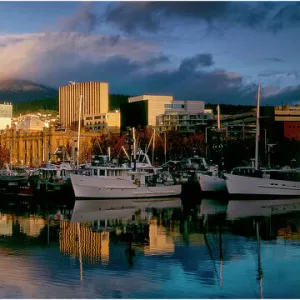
(274,59)
(289,95)
(201,60)
(128,65)
(84,20)
(288,15)
(131,17)
(186,82)
(279,74)
(158,60)
(31,56)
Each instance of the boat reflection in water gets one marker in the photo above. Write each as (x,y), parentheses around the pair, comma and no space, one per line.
(94,221)
(159,248)
(261,211)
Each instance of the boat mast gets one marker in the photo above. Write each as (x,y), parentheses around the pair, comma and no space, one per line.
(153,147)
(79,124)
(134,148)
(257,128)
(165,145)
(219,117)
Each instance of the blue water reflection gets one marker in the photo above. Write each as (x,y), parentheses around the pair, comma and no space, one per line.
(153,249)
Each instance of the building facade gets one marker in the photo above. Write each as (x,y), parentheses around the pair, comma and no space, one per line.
(6,110)
(164,113)
(155,105)
(31,123)
(109,121)
(184,116)
(33,148)
(95,98)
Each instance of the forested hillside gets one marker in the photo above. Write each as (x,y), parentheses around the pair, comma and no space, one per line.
(51,104)
(115,100)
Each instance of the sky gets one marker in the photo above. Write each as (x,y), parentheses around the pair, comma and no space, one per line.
(217,52)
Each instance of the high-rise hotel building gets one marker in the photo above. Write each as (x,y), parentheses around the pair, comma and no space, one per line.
(94,101)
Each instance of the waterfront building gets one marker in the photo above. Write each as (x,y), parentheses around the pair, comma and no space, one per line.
(164,112)
(31,123)
(185,116)
(107,122)
(143,110)
(48,120)
(241,126)
(288,120)
(31,148)
(95,98)
(6,110)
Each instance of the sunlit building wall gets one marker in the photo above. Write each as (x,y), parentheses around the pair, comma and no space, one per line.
(31,123)
(95,97)
(156,105)
(109,121)
(5,115)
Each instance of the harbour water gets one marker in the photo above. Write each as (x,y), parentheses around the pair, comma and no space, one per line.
(162,249)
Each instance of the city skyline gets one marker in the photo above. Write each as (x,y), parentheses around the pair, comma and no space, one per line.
(212,51)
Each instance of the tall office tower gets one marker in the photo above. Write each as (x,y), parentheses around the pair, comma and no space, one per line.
(94,101)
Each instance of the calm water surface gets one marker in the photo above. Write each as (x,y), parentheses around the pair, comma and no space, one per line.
(154,249)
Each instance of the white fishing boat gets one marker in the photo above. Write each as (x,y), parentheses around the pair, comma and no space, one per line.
(272,183)
(122,182)
(212,184)
(111,181)
(258,182)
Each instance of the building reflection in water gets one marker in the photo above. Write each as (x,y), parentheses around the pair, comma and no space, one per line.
(94,246)
(159,240)
(30,225)
(90,238)
(200,240)
(279,215)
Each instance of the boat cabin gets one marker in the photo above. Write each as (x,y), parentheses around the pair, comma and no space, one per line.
(286,175)
(195,163)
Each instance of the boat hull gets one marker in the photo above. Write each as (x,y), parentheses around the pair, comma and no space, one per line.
(251,186)
(212,184)
(86,187)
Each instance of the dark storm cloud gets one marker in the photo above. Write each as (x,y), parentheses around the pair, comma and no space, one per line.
(160,59)
(149,16)
(274,59)
(289,95)
(201,60)
(191,80)
(84,20)
(288,15)
(279,74)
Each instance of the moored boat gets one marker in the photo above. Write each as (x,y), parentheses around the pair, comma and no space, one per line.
(122,182)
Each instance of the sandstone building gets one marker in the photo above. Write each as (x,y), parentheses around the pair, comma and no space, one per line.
(95,97)
(33,148)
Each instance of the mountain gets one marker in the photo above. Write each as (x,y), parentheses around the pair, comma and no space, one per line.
(20,91)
